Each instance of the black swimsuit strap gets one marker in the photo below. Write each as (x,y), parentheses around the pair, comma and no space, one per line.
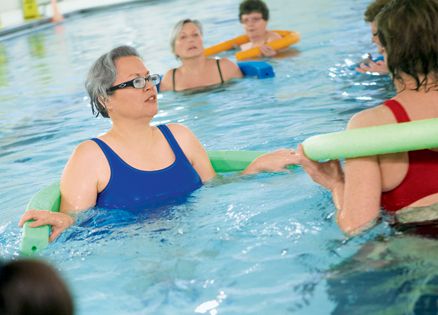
(220,71)
(173,79)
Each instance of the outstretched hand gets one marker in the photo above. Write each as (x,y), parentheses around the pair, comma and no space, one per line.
(371,66)
(275,161)
(57,220)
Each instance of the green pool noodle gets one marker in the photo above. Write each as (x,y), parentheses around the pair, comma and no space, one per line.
(36,239)
(232,161)
(384,139)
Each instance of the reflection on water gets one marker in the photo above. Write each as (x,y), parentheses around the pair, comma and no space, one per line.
(36,45)
(3,66)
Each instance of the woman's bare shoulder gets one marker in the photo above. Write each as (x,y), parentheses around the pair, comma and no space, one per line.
(87,152)
(230,69)
(379,115)
(180,131)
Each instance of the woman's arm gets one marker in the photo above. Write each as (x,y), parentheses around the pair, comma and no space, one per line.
(270,162)
(356,191)
(276,161)
(79,181)
(266,50)
(229,69)
(361,197)
(78,191)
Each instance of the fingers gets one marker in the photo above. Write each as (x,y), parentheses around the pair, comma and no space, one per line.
(55,233)
(30,215)
(39,217)
(37,223)
(302,154)
(358,69)
(282,158)
(267,51)
(363,68)
(371,66)
(285,152)
(58,221)
(24,218)
(300,149)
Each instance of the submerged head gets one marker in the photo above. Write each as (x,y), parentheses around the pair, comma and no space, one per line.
(33,287)
(408,31)
(119,78)
(186,39)
(254,15)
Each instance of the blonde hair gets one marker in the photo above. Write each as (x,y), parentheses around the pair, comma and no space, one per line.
(178,28)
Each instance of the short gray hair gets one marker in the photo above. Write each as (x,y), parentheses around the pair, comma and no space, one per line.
(177,29)
(102,76)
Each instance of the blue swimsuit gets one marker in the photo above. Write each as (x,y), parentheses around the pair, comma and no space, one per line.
(133,189)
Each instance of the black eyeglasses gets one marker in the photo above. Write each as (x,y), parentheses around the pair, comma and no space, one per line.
(137,83)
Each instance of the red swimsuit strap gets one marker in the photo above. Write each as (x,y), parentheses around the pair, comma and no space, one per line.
(397,109)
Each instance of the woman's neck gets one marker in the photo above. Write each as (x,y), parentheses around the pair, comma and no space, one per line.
(408,83)
(259,39)
(195,64)
(131,132)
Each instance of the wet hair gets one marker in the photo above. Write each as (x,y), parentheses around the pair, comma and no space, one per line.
(178,28)
(408,30)
(102,76)
(373,9)
(250,6)
(31,287)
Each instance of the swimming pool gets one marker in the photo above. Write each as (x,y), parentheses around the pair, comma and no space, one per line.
(261,245)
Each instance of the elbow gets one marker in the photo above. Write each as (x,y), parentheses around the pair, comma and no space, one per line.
(351,227)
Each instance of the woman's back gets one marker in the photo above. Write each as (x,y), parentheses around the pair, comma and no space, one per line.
(399,171)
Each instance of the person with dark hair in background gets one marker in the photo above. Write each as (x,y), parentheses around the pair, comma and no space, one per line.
(31,287)
(370,65)
(254,16)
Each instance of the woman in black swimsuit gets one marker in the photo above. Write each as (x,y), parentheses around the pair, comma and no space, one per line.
(196,69)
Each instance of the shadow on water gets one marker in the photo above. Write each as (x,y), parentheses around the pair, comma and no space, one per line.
(396,274)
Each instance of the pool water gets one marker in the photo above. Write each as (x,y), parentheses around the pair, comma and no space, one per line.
(265,244)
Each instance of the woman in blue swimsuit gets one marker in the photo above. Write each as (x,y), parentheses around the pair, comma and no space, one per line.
(134,165)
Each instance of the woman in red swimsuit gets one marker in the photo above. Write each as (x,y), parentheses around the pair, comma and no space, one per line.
(408,32)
